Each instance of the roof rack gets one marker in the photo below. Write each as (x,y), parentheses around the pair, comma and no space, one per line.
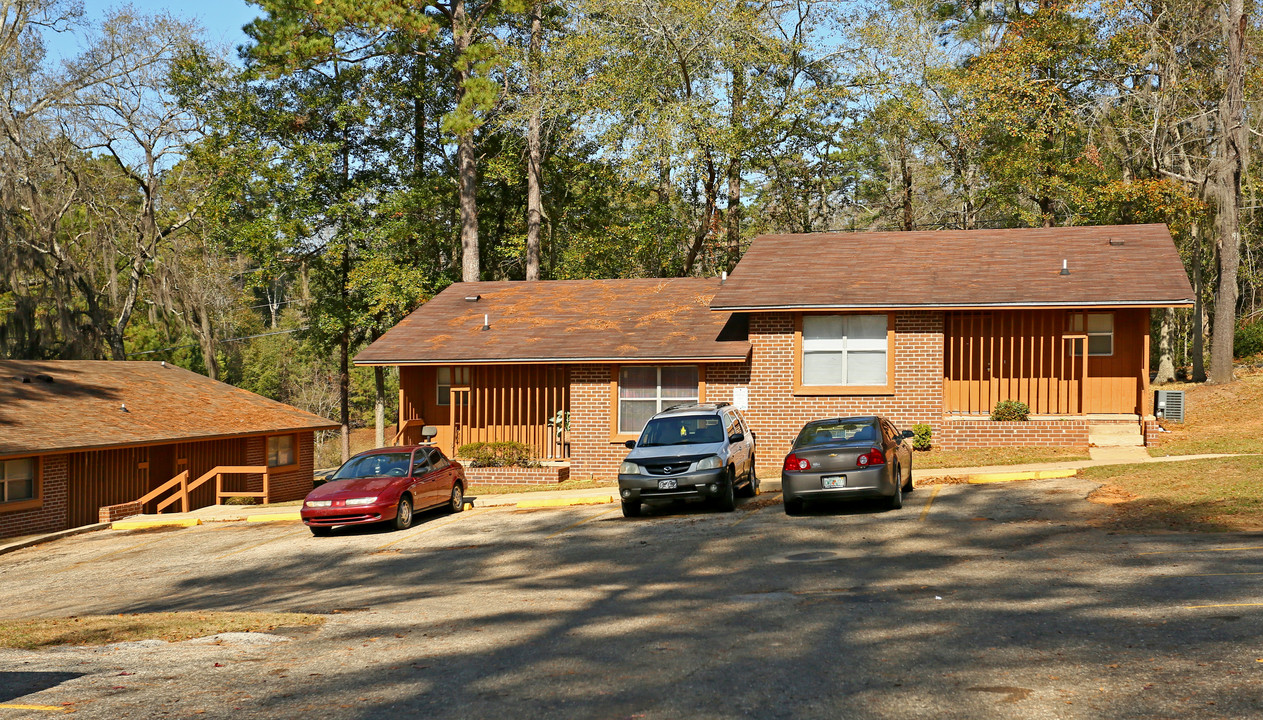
(716,405)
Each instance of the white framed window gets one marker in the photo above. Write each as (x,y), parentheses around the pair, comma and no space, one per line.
(1099,327)
(646,390)
(281,451)
(443,383)
(842,350)
(17,480)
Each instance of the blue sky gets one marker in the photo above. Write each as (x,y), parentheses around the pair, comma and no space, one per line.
(222,19)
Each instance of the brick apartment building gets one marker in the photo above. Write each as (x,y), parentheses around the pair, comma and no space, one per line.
(80,436)
(923,327)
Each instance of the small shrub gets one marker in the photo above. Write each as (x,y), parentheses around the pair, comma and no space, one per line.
(1008,410)
(241,501)
(496,454)
(921,436)
(1248,340)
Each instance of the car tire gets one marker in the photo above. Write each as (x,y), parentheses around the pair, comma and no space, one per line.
(907,488)
(793,506)
(727,500)
(320,531)
(631,508)
(896,500)
(403,514)
(456,503)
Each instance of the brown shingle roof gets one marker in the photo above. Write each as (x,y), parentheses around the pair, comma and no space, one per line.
(563,321)
(974,268)
(82,407)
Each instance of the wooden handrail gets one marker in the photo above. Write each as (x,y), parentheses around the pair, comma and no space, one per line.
(183,476)
(222,470)
(403,428)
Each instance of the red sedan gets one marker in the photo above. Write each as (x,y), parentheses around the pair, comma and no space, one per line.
(385,485)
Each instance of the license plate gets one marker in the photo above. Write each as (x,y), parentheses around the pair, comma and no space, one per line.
(833,481)
(667,484)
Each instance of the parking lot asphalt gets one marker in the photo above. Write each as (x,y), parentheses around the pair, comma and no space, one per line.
(991,601)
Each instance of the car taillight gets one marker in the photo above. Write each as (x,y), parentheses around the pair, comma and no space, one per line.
(793,463)
(872,457)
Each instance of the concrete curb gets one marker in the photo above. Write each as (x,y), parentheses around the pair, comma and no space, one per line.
(564,502)
(987,478)
(146,524)
(41,539)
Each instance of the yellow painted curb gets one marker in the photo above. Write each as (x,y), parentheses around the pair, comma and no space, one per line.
(564,502)
(143,524)
(1029,475)
(48,708)
(273,517)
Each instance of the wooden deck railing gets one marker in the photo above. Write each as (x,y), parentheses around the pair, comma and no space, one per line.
(180,487)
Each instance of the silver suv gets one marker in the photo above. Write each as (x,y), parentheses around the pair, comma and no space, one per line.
(690,452)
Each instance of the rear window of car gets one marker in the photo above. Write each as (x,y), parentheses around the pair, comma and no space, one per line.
(823,433)
(682,430)
(376,465)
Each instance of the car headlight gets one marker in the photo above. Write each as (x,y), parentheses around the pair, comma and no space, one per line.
(711,463)
(629,468)
(318,503)
(361,501)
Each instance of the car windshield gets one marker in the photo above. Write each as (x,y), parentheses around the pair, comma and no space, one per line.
(375,465)
(684,430)
(833,431)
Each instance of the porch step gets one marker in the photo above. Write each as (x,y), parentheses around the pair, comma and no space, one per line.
(1115,435)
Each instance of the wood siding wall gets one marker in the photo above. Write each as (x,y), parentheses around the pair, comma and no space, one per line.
(106,477)
(1024,355)
(512,403)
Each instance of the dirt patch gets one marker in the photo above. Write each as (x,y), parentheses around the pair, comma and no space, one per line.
(981,457)
(1198,495)
(1218,418)
(941,480)
(761,502)
(32,633)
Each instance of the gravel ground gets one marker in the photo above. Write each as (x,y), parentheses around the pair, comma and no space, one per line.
(1004,601)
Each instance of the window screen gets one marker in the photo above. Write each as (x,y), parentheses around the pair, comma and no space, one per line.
(281,451)
(17,480)
(844,350)
(646,390)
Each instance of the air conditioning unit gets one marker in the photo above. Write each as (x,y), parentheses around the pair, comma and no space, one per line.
(1169,405)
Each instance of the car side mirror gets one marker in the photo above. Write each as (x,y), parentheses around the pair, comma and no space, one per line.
(630,444)
(737,438)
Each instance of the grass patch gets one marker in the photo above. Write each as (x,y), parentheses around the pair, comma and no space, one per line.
(980,457)
(32,633)
(1204,495)
(1218,418)
(475,489)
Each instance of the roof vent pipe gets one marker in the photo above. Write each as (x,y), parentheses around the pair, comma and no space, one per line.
(472,298)
(1064,269)
(486,322)
(723,277)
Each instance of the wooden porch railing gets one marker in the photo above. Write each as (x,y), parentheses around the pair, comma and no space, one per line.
(223,470)
(403,429)
(182,487)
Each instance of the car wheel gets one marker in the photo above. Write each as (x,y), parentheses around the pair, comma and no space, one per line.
(457,502)
(320,531)
(793,506)
(727,500)
(403,515)
(631,508)
(896,500)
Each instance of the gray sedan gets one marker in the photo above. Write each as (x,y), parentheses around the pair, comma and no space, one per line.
(847,458)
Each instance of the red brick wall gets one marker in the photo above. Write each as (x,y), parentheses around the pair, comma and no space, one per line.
(288,485)
(548,475)
(963,434)
(776,415)
(1153,432)
(51,515)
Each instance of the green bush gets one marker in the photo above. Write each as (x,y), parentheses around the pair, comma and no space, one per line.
(496,454)
(921,436)
(1010,410)
(1248,340)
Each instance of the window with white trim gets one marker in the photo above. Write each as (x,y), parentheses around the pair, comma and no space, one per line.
(1099,327)
(646,390)
(17,480)
(844,350)
(443,383)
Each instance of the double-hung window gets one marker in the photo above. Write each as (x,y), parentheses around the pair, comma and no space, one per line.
(17,480)
(1099,327)
(281,452)
(841,350)
(646,390)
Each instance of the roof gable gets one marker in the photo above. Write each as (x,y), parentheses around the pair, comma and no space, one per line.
(83,406)
(573,321)
(1112,265)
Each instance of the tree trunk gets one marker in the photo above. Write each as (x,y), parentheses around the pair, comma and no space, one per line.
(708,216)
(462,38)
(1199,311)
(534,204)
(1231,164)
(206,338)
(1166,346)
(906,174)
(737,123)
(344,392)
(379,406)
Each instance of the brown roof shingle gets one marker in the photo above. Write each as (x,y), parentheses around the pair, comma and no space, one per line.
(973,268)
(563,321)
(82,407)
